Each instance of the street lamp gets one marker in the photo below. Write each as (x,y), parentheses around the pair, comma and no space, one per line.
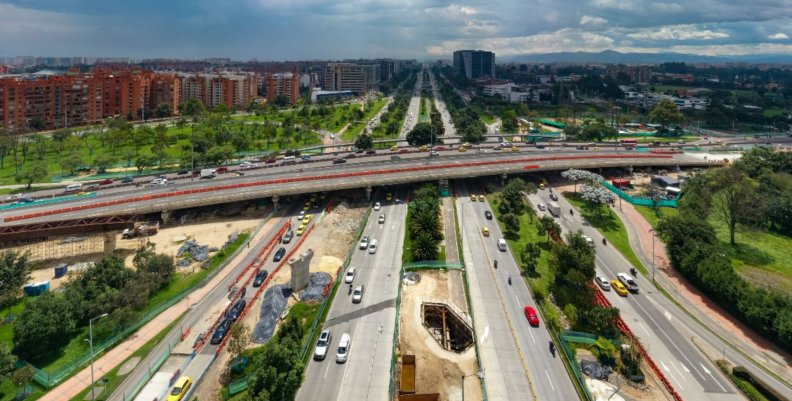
(480,375)
(90,342)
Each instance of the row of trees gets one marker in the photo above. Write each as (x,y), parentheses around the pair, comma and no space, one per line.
(427,133)
(425,227)
(51,320)
(467,122)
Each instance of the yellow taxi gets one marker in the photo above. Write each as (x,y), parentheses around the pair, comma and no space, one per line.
(485,231)
(300,230)
(481,198)
(462,149)
(515,149)
(180,388)
(389,196)
(619,287)
(466,145)
(307,205)
(313,197)
(541,185)
(423,148)
(473,197)
(307,218)
(394,148)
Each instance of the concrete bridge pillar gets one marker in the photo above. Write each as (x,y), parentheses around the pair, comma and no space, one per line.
(368,193)
(275,204)
(503,179)
(678,169)
(109,242)
(165,216)
(630,169)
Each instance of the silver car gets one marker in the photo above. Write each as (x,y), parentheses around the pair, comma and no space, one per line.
(322,345)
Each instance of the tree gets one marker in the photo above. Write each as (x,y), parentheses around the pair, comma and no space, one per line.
(513,199)
(596,196)
(45,324)
(7,362)
(163,110)
(548,227)
(220,154)
(14,273)
(364,141)
(71,162)
(733,198)
(102,162)
(530,256)
(512,224)
(61,135)
(424,247)
(22,376)
(193,108)
(239,338)
(576,175)
(421,134)
(144,161)
(34,172)
(666,113)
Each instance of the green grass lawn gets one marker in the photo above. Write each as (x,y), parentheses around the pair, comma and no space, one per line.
(610,226)
(762,257)
(357,128)
(652,217)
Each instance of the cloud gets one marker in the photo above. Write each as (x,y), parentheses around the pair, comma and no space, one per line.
(625,5)
(667,7)
(592,21)
(562,40)
(779,35)
(677,32)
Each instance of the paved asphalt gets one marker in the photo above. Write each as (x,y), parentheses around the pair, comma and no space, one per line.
(411,118)
(651,319)
(366,374)
(448,123)
(516,360)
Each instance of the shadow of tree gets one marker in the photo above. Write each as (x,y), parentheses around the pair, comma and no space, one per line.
(750,255)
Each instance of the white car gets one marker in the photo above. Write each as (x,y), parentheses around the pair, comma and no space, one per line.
(588,240)
(364,243)
(357,295)
(381,219)
(541,207)
(343,348)
(377,206)
(350,275)
(628,282)
(372,248)
(301,215)
(247,165)
(603,283)
(320,352)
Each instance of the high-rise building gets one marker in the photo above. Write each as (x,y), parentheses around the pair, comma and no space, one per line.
(474,64)
(639,74)
(235,90)
(346,77)
(283,83)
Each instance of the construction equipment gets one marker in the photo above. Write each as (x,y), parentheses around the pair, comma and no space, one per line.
(140,230)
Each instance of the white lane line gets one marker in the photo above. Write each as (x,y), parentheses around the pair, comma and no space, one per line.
(683,376)
(327,369)
(549,381)
(670,373)
(645,329)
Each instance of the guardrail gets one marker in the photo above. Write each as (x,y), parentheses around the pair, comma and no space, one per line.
(326,177)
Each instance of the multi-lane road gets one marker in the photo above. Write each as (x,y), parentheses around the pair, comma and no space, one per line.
(365,375)
(448,123)
(413,110)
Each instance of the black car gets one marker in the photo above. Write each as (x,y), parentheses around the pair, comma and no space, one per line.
(260,277)
(279,254)
(488,215)
(288,237)
(221,331)
(351,155)
(236,310)
(127,180)
(339,161)
(182,172)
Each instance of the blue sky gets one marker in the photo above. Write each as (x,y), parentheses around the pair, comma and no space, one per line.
(423,29)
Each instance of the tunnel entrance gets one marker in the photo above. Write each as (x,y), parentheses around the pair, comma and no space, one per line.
(450,327)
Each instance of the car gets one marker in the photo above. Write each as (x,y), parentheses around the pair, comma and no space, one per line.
(473,197)
(423,148)
(404,150)
(306,206)
(247,165)
(357,294)
(481,198)
(221,170)
(541,207)
(24,199)
(339,161)
(288,237)
(359,151)
(261,275)
(372,248)
(381,219)
(106,181)
(394,148)
(350,275)
(485,231)
(628,282)
(588,240)
(371,152)
(270,161)
(279,254)
(462,149)
(439,148)
(388,196)
(554,197)
(307,218)
(322,345)
(236,310)
(618,287)
(515,149)
(434,153)
(498,147)
(488,215)
(300,230)
(377,206)
(180,388)
(395,157)
(221,331)
(530,314)
(127,180)
(301,215)
(343,348)
(363,243)
(323,195)
(351,155)
(603,283)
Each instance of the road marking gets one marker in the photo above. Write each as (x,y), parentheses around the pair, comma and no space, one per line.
(549,381)
(485,335)
(326,370)
(644,328)
(705,369)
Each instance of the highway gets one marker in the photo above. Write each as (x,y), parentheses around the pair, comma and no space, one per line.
(651,317)
(411,118)
(448,123)
(366,374)
(516,361)
(325,176)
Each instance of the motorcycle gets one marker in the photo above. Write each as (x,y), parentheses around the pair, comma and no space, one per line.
(350,289)
(552,349)
(604,241)
(509,280)
(632,271)
(571,212)
(496,264)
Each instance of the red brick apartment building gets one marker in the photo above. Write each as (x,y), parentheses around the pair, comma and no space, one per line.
(235,90)
(283,83)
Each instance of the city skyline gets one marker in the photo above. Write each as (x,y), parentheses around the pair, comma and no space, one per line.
(422,29)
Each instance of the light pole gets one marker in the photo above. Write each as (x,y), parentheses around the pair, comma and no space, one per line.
(90,343)
(480,374)
(652,231)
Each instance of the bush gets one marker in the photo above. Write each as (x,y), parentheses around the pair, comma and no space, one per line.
(539,290)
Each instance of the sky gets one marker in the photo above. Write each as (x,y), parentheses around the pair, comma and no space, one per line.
(421,29)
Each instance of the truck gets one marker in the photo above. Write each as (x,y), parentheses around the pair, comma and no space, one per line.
(554,209)
(208,173)
(140,230)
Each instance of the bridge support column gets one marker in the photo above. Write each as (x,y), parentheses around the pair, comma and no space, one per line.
(678,169)
(165,216)
(109,242)
(503,179)
(368,193)
(275,204)
(630,169)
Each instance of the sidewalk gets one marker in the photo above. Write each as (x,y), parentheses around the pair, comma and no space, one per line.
(709,313)
(116,355)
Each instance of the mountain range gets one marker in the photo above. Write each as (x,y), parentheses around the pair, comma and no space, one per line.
(614,57)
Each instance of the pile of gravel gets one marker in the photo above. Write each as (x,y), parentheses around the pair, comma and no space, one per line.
(595,369)
(411,278)
(316,285)
(196,252)
(272,306)
(231,238)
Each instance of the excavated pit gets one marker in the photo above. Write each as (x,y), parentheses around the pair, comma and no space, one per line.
(448,326)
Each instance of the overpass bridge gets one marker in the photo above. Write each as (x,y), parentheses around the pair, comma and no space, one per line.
(363,173)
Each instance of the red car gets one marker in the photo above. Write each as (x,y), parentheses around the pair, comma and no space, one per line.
(533,318)
(404,150)
(222,169)
(270,161)
(106,181)
(371,152)
(439,148)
